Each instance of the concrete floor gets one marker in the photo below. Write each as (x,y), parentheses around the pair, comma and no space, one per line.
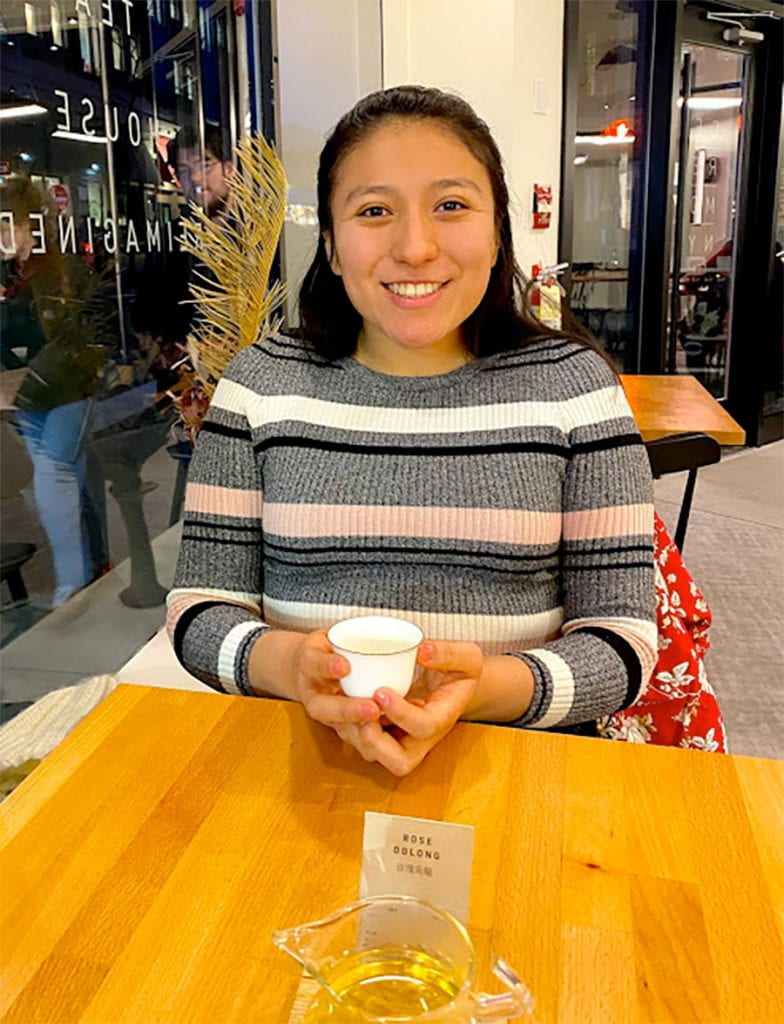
(734,549)
(94,632)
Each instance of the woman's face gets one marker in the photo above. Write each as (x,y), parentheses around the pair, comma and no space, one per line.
(414,235)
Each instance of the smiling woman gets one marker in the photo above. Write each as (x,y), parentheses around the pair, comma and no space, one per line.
(426,449)
(415,251)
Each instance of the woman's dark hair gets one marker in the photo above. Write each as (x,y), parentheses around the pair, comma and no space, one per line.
(504,318)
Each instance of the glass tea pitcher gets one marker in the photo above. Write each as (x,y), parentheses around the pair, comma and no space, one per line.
(397,959)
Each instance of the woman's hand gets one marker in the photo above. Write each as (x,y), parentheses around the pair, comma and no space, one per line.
(317,674)
(445,685)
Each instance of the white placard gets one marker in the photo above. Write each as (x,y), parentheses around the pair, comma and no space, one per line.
(418,857)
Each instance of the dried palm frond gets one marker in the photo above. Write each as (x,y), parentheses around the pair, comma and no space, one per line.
(234,301)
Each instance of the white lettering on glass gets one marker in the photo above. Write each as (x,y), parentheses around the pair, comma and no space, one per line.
(67,229)
(128,5)
(64,126)
(112,136)
(86,102)
(110,235)
(38,233)
(132,238)
(153,235)
(133,120)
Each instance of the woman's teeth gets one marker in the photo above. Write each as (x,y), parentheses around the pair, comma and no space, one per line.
(413,291)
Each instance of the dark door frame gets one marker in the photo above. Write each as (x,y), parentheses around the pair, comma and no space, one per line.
(658,87)
(264,107)
(752,293)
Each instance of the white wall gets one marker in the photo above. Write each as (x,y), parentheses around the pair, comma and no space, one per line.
(491,53)
(329,54)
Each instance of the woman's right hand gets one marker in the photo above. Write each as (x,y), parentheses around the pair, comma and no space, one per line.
(316,684)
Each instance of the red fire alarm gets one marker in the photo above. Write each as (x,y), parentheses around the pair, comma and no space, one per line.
(543,203)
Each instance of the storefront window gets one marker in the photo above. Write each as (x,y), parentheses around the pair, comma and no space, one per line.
(114,116)
(704,213)
(607,59)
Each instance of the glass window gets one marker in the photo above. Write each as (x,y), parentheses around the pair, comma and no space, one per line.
(118,50)
(606,64)
(95,317)
(57,31)
(31,19)
(704,207)
(84,41)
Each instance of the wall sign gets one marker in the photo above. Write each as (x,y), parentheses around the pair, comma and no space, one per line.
(543,204)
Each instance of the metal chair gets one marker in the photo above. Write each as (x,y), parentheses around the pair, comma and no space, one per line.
(182,452)
(677,454)
(13,555)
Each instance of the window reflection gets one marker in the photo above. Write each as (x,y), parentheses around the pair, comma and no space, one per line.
(110,127)
(705,206)
(604,169)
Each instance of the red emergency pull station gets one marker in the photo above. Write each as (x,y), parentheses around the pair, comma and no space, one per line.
(543,202)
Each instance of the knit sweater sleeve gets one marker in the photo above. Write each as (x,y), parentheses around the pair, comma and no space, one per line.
(214,608)
(607,649)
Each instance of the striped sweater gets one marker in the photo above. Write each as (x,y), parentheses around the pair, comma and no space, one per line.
(508,502)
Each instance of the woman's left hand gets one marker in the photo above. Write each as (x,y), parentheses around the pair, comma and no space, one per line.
(445,683)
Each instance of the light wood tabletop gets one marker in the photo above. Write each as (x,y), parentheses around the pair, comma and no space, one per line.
(664,404)
(146,862)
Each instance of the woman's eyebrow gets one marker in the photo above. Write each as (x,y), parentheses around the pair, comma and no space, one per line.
(436,186)
(456,183)
(364,190)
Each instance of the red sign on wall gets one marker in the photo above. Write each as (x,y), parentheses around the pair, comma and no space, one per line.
(543,202)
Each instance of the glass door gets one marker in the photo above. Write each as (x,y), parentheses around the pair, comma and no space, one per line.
(672,128)
(711,110)
(605,131)
(772,362)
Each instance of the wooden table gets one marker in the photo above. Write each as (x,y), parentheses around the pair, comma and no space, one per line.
(665,404)
(147,861)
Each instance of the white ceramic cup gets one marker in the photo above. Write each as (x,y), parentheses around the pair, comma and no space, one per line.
(381,651)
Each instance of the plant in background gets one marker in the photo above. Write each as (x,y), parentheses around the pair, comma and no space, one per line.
(235,302)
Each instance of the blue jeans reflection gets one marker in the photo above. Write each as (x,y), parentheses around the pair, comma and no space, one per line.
(68,512)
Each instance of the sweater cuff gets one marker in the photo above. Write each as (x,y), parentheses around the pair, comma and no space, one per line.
(589,672)
(553,695)
(542,694)
(214,644)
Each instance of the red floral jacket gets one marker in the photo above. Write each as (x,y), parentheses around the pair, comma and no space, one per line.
(679,707)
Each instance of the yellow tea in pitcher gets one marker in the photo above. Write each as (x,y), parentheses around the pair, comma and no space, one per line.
(393,982)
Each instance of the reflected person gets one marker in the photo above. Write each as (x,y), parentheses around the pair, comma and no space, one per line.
(161,317)
(52,327)
(162,314)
